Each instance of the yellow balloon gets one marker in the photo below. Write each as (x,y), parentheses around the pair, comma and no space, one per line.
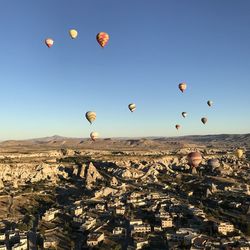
(73,33)
(239,153)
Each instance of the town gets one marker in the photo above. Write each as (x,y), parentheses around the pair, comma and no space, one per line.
(87,199)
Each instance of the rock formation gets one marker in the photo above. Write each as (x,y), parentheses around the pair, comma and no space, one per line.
(114,182)
(92,175)
(105,192)
(82,171)
(1,184)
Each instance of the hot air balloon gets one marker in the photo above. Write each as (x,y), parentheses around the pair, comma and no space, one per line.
(102,38)
(184,114)
(239,152)
(182,86)
(73,33)
(132,107)
(49,42)
(177,126)
(209,103)
(204,120)
(194,159)
(213,163)
(90,116)
(94,135)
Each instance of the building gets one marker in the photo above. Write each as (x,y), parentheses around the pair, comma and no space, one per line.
(13,235)
(225,228)
(119,230)
(78,211)
(100,207)
(50,214)
(157,228)
(89,223)
(2,236)
(3,246)
(94,239)
(154,196)
(166,222)
(120,210)
(139,243)
(143,228)
(136,222)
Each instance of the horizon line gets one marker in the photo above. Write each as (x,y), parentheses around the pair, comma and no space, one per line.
(121,137)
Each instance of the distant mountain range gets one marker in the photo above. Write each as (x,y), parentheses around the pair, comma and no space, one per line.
(231,140)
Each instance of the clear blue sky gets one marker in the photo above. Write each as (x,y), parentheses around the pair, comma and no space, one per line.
(153,46)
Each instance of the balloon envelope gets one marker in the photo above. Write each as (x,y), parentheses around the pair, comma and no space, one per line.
(194,159)
(214,163)
(90,116)
(94,135)
(209,103)
(184,114)
(73,33)
(132,107)
(49,42)
(102,38)
(182,86)
(177,126)
(204,120)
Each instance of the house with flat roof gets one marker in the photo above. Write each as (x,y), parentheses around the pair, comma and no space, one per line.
(94,239)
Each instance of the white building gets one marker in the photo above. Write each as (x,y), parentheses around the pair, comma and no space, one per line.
(166,222)
(118,230)
(50,214)
(89,223)
(225,228)
(157,228)
(13,234)
(139,243)
(3,246)
(154,196)
(100,207)
(2,236)
(94,239)
(78,211)
(136,222)
(143,228)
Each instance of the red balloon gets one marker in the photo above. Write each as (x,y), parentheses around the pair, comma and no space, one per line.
(102,38)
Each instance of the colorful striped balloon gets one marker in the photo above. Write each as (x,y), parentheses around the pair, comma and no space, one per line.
(90,116)
(102,38)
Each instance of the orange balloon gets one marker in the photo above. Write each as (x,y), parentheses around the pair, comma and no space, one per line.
(49,42)
(102,38)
